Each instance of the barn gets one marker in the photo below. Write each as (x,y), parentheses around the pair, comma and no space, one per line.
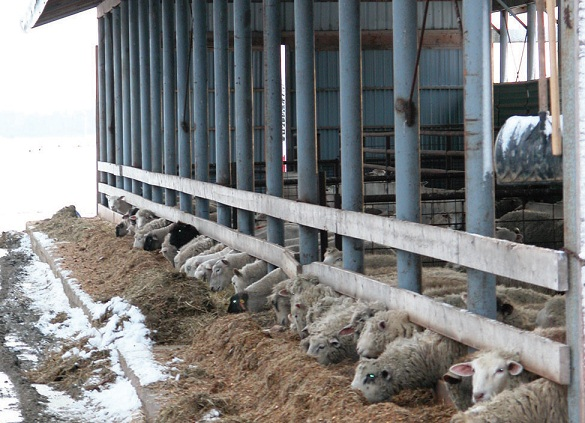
(373,121)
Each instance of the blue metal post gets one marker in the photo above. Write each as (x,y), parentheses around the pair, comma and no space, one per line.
(222,105)
(572,26)
(118,104)
(306,123)
(243,106)
(530,40)
(350,94)
(504,42)
(103,27)
(169,113)
(155,95)
(144,61)
(478,125)
(125,62)
(273,113)
(201,141)
(182,20)
(406,127)
(135,92)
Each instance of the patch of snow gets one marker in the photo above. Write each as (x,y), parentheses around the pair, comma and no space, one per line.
(9,412)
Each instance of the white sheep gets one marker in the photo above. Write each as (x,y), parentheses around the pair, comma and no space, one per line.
(383,328)
(254,298)
(249,274)
(506,234)
(280,301)
(492,371)
(552,313)
(192,263)
(142,217)
(223,270)
(362,312)
(305,298)
(540,401)
(324,342)
(333,257)
(118,204)
(155,238)
(168,250)
(406,363)
(141,233)
(194,247)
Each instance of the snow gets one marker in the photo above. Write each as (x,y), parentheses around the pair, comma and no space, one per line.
(122,333)
(9,412)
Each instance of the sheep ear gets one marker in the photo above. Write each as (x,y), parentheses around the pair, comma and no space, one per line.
(224,261)
(451,378)
(284,293)
(515,368)
(347,330)
(334,342)
(237,272)
(462,369)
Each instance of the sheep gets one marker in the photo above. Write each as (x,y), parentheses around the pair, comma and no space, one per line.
(324,341)
(280,301)
(223,270)
(153,240)
(141,233)
(537,228)
(406,363)
(539,401)
(303,299)
(249,274)
(168,250)
(509,234)
(142,217)
(194,247)
(492,372)
(133,220)
(203,271)
(118,204)
(182,233)
(552,313)
(192,264)
(333,256)
(362,312)
(254,298)
(383,328)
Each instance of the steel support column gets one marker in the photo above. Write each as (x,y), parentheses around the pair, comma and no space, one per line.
(135,92)
(103,27)
(273,113)
(306,123)
(144,63)
(478,125)
(169,111)
(118,102)
(222,105)
(350,95)
(407,125)
(125,62)
(201,136)
(243,106)
(530,40)
(182,21)
(155,94)
(572,29)
(504,42)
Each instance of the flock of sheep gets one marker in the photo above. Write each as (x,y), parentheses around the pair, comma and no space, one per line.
(391,353)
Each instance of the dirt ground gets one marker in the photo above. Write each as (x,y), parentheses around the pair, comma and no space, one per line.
(239,365)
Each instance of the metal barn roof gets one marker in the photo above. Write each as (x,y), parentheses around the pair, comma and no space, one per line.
(45,11)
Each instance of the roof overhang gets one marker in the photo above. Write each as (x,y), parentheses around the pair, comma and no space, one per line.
(41,12)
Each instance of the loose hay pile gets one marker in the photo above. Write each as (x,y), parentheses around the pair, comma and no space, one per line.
(230,365)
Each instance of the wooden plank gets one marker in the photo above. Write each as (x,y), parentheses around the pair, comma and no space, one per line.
(540,266)
(539,355)
(269,252)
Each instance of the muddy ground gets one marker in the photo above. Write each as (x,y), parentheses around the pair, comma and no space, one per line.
(236,364)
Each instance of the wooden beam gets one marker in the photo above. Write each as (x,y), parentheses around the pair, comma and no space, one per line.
(540,266)
(539,355)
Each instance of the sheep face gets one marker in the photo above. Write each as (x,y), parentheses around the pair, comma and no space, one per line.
(382,328)
(238,303)
(124,228)
(374,381)
(491,374)
(326,349)
(281,305)
(221,274)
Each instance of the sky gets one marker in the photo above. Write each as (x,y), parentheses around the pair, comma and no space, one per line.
(47,116)
(49,68)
